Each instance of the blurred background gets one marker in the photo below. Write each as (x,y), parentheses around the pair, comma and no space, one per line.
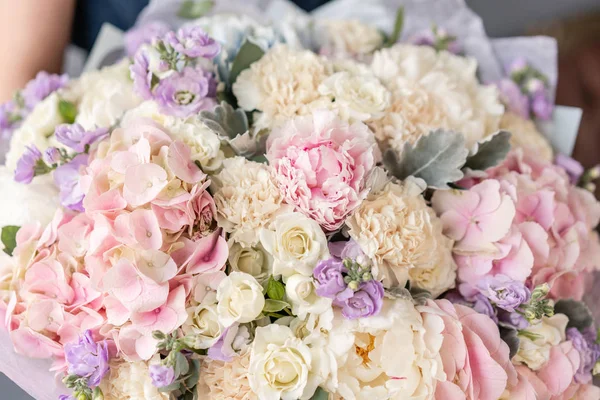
(574,23)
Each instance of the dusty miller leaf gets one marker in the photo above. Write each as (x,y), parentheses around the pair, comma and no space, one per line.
(436,158)
(490,152)
(249,53)
(226,121)
(579,314)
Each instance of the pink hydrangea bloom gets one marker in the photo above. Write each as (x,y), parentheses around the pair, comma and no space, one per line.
(321,165)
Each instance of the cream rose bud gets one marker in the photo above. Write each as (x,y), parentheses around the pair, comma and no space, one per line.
(301,293)
(549,332)
(253,260)
(203,325)
(296,242)
(240,299)
(357,97)
(280,364)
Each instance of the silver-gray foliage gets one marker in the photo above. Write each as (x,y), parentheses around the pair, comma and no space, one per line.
(490,152)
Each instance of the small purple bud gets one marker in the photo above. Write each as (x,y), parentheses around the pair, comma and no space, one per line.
(77,138)
(542,107)
(52,156)
(161,375)
(519,64)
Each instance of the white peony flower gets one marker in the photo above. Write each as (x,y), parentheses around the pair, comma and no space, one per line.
(240,299)
(253,260)
(36,130)
(394,355)
(400,232)
(549,333)
(103,96)
(21,204)
(300,291)
(225,380)
(349,38)
(313,324)
(357,97)
(131,381)
(432,90)
(282,366)
(247,199)
(282,84)
(296,242)
(203,325)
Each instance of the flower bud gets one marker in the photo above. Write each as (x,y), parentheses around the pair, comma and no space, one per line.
(353,285)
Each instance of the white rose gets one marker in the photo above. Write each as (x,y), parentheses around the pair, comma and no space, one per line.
(549,332)
(204,143)
(240,299)
(280,364)
(203,324)
(253,260)
(301,293)
(37,130)
(296,242)
(357,97)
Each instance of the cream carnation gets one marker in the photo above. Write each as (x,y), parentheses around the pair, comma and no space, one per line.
(357,97)
(535,351)
(368,353)
(225,380)
(352,38)
(131,381)
(247,198)
(296,242)
(282,84)
(321,165)
(432,90)
(399,232)
(525,135)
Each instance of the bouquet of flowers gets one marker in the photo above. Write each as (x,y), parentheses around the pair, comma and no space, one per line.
(303,210)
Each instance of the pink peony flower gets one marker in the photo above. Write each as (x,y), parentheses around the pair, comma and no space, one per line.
(476,361)
(321,165)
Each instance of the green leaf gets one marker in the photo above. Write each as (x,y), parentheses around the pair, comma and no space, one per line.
(272,306)
(172,387)
(9,238)
(248,54)
(67,110)
(225,121)
(436,158)
(181,366)
(579,314)
(194,374)
(275,289)
(398,25)
(320,394)
(490,153)
(192,9)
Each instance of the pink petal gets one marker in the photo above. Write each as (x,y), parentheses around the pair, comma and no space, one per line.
(180,161)
(145,229)
(31,344)
(156,265)
(143,183)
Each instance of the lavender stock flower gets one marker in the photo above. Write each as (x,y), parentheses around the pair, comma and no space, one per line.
(141,75)
(26,166)
(77,138)
(589,352)
(366,301)
(513,98)
(572,167)
(66,178)
(504,292)
(186,93)
(88,359)
(144,34)
(41,87)
(330,277)
(51,156)
(542,106)
(193,42)
(161,375)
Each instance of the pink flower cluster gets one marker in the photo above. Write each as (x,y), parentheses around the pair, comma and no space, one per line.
(322,164)
(524,221)
(127,265)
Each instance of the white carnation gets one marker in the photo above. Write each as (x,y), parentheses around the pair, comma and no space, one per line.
(225,380)
(349,38)
(131,381)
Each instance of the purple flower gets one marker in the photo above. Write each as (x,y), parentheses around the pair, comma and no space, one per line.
(141,75)
(572,167)
(482,305)
(26,165)
(366,301)
(186,93)
(589,352)
(88,359)
(161,375)
(504,292)
(541,106)
(66,178)
(77,138)
(513,98)
(519,64)
(343,250)
(51,156)
(330,277)
(41,87)
(423,38)
(474,299)
(513,319)
(66,397)
(193,42)
(144,34)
